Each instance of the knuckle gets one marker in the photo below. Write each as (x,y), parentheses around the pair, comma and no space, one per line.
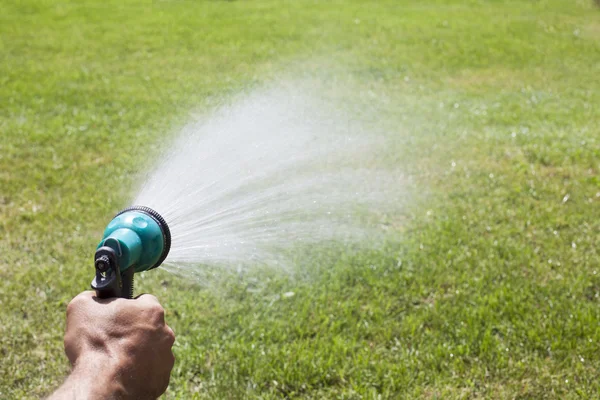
(148,298)
(154,315)
(157,311)
(71,307)
(76,303)
(170,335)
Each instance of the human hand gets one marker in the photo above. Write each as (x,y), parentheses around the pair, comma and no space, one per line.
(119,348)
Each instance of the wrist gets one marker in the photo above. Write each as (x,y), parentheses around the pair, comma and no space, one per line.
(97,376)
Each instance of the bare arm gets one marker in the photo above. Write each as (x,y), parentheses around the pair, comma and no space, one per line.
(90,380)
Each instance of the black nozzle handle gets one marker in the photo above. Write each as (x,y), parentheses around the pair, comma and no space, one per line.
(127,283)
(109,280)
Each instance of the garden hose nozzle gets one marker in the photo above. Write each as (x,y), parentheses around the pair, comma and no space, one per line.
(137,239)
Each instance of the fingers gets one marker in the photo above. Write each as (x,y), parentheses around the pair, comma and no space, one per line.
(147,299)
(146,304)
(83,297)
(90,294)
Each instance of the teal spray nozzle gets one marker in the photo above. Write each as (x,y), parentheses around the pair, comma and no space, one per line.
(137,239)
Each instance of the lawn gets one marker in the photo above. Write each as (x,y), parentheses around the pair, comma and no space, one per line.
(488,282)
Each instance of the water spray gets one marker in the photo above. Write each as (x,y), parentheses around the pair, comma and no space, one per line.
(248,186)
(137,239)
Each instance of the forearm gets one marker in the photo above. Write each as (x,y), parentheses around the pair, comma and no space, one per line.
(91,379)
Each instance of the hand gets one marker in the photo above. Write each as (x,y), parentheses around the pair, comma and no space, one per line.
(119,348)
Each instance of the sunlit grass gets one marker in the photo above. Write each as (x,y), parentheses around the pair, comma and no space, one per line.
(488,286)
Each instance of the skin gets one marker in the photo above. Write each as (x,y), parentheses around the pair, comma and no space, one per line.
(119,349)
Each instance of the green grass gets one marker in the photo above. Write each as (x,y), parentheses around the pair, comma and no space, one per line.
(489,284)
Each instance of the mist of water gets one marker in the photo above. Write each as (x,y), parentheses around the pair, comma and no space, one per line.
(274,171)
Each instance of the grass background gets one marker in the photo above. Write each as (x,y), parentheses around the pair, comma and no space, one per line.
(492,290)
